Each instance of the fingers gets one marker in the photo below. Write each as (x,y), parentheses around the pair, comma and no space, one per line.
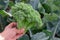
(19,33)
(18,36)
(13,24)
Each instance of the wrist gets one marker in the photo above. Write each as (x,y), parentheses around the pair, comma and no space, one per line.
(1,37)
(4,36)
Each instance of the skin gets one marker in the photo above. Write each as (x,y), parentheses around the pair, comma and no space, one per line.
(11,32)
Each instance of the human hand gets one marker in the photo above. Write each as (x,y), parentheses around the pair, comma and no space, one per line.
(11,33)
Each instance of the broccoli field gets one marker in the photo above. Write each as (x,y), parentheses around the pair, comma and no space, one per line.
(39,18)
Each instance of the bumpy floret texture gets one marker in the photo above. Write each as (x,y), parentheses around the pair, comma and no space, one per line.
(26,16)
(51,17)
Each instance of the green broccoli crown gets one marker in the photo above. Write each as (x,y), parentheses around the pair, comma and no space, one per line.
(26,16)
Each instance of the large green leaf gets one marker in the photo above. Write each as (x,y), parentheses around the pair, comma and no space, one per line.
(3,13)
(2,23)
(40,36)
(4,4)
(3,20)
(25,37)
(41,8)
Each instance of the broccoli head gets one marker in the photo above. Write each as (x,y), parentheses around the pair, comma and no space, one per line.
(26,17)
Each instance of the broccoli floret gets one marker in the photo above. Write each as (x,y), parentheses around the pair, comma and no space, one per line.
(51,17)
(26,16)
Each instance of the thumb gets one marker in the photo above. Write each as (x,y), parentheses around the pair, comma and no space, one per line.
(13,24)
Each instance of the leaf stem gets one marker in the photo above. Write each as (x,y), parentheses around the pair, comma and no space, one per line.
(53,35)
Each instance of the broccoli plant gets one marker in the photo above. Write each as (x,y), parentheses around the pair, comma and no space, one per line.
(25,16)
